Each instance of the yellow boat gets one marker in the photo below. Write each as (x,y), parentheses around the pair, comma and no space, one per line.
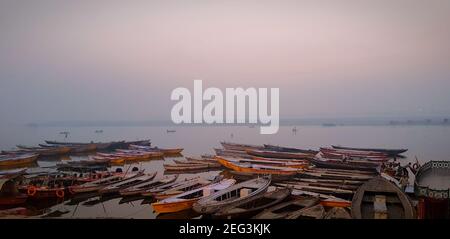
(185,200)
(234,164)
(14,160)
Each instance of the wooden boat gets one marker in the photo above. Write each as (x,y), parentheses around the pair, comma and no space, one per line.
(138,154)
(239,193)
(9,193)
(15,160)
(253,206)
(124,184)
(165,151)
(354,153)
(186,200)
(201,160)
(164,187)
(346,164)
(243,176)
(181,188)
(337,213)
(18,212)
(343,156)
(232,153)
(189,163)
(239,147)
(96,185)
(291,150)
(112,160)
(142,187)
(391,152)
(380,199)
(283,210)
(44,192)
(234,164)
(300,161)
(314,212)
(65,143)
(82,148)
(191,167)
(326,200)
(287,164)
(275,154)
(319,188)
(42,151)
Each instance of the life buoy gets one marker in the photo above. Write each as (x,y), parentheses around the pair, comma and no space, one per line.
(31,191)
(60,193)
(416,166)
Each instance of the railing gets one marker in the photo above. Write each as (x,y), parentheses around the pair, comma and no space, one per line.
(425,191)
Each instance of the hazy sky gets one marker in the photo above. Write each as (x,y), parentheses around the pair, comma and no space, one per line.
(119,60)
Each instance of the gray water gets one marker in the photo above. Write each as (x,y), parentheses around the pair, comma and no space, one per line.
(424,142)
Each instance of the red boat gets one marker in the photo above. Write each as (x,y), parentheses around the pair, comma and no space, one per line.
(9,193)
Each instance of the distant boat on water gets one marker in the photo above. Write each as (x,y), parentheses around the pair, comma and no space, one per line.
(171,131)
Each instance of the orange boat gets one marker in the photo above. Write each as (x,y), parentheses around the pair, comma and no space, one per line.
(185,200)
(20,159)
(236,165)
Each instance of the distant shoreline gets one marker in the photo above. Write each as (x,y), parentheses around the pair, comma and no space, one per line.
(283,122)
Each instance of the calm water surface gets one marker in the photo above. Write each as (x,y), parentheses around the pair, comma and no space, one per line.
(424,142)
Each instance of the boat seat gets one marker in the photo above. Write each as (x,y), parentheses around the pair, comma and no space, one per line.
(380,208)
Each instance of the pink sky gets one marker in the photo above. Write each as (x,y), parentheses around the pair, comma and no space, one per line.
(97,60)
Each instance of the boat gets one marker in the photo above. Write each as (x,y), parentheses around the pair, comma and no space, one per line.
(291,150)
(111,160)
(325,199)
(138,154)
(183,162)
(314,212)
(201,160)
(283,210)
(82,148)
(43,151)
(244,176)
(142,187)
(234,164)
(9,193)
(346,164)
(186,200)
(255,205)
(275,154)
(299,164)
(329,152)
(337,213)
(239,193)
(232,153)
(96,185)
(239,147)
(18,159)
(165,151)
(180,188)
(17,212)
(124,184)
(432,188)
(390,152)
(65,143)
(188,167)
(346,156)
(165,187)
(380,199)
(42,188)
